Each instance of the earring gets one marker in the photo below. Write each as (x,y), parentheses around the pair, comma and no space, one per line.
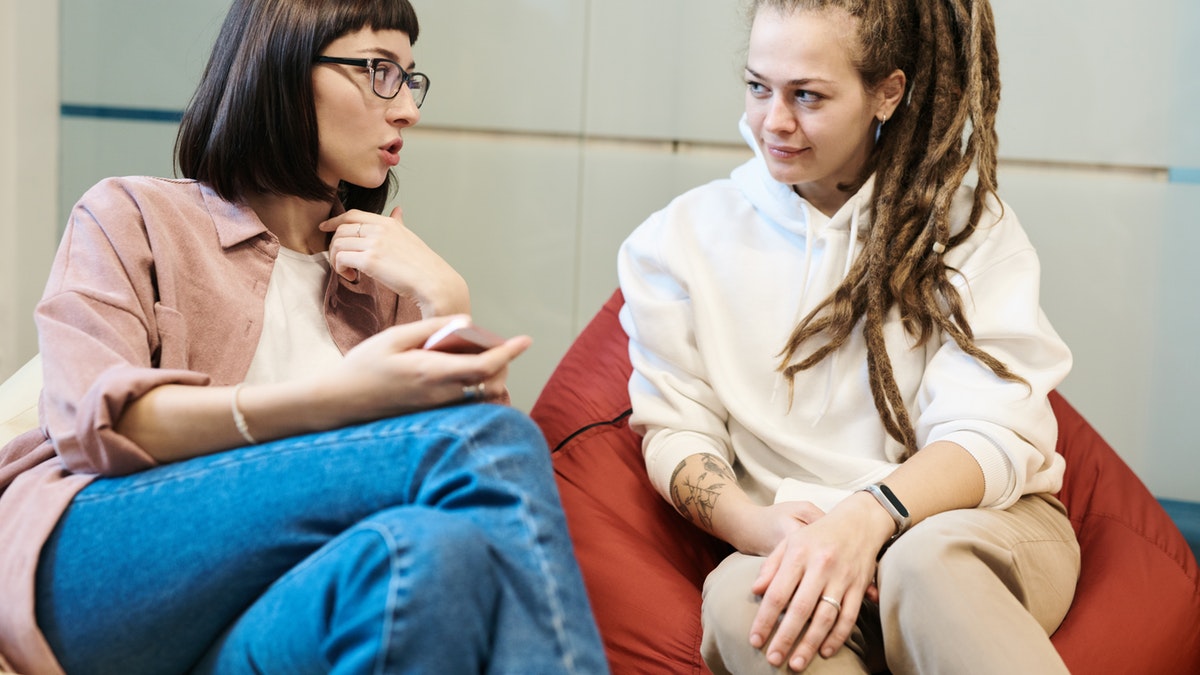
(879,129)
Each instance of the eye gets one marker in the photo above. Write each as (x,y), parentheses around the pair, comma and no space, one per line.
(806,96)
(756,89)
(387,74)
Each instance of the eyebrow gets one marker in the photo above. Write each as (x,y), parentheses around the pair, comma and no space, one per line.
(799,82)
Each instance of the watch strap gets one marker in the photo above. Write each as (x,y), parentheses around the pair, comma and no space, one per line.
(892,504)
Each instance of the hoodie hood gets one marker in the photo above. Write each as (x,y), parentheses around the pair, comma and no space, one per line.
(779,203)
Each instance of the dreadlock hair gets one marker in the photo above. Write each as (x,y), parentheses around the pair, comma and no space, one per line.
(947,51)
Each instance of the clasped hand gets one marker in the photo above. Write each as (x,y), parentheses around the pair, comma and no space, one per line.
(812,585)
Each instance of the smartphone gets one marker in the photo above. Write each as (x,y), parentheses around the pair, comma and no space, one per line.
(460,336)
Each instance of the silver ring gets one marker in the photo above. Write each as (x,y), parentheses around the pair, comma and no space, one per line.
(473,392)
(359,233)
(836,605)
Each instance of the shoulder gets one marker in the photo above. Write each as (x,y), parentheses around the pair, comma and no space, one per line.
(118,199)
(701,213)
(135,187)
(998,235)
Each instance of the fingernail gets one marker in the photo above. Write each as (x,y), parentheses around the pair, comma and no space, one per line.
(775,658)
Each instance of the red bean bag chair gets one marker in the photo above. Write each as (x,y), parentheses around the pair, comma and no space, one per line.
(1136,609)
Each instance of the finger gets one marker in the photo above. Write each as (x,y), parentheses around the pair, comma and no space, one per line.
(414,334)
(343,264)
(815,634)
(767,572)
(489,364)
(785,644)
(776,614)
(770,608)
(335,222)
(351,216)
(804,628)
(844,625)
(469,392)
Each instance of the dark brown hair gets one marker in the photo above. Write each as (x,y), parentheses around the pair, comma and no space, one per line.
(251,126)
(946,126)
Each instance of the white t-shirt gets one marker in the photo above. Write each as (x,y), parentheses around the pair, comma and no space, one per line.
(295,338)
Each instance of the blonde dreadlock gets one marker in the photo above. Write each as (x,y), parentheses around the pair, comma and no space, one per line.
(947,50)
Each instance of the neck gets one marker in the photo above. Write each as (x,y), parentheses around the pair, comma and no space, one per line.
(826,199)
(292,220)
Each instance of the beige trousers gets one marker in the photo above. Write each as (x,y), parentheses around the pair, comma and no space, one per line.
(967,591)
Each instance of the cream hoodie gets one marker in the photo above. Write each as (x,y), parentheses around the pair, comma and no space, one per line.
(714,284)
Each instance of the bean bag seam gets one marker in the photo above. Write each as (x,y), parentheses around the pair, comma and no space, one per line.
(1181,565)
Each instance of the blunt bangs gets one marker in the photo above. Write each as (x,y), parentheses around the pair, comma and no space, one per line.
(251,126)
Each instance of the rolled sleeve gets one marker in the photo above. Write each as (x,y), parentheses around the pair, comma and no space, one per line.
(1008,427)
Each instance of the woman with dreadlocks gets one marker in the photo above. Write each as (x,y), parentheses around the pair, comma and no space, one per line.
(840,363)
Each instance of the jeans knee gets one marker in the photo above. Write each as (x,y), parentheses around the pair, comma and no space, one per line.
(429,547)
(506,426)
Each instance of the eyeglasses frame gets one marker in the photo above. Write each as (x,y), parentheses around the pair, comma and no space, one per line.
(371,65)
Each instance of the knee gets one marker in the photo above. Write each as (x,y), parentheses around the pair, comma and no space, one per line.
(506,426)
(729,607)
(428,547)
(505,444)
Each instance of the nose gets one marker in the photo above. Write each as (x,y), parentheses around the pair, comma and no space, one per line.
(403,110)
(780,116)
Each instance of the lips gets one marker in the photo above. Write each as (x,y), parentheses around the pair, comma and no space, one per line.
(391,152)
(782,151)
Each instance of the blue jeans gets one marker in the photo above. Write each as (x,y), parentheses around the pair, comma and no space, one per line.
(429,543)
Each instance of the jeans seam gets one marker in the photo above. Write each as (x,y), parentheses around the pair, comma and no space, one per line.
(389,617)
(558,614)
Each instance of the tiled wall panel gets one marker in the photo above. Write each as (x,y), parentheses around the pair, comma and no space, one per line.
(1172,460)
(623,184)
(1083,83)
(1100,238)
(503,212)
(515,65)
(136,53)
(94,149)
(667,69)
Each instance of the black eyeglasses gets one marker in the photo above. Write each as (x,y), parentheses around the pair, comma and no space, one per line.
(387,77)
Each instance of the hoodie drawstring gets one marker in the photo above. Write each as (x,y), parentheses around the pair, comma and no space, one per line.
(833,364)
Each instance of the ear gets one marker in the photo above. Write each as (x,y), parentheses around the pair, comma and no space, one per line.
(889,94)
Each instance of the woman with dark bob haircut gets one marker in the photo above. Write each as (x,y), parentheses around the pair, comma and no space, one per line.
(246,460)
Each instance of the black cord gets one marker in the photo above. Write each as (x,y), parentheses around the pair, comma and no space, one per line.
(613,422)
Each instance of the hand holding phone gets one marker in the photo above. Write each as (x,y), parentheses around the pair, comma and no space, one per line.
(460,336)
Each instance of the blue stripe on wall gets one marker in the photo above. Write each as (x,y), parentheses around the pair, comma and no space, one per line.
(117,113)
(1181,174)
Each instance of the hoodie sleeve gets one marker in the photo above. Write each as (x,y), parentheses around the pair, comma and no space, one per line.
(674,407)
(1008,427)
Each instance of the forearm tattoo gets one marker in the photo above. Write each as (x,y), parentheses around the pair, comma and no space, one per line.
(696,486)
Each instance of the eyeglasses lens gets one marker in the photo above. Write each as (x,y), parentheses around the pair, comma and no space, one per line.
(389,78)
